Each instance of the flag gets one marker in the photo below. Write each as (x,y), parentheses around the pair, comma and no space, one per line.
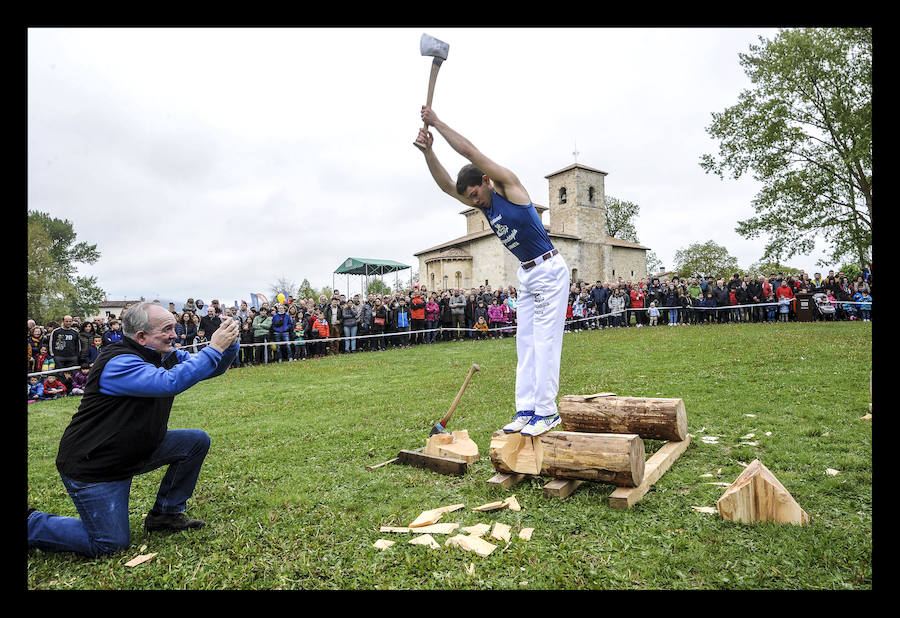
(257,300)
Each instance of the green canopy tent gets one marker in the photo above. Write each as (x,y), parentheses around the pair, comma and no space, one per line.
(366,268)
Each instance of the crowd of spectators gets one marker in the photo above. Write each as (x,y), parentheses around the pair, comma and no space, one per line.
(308,328)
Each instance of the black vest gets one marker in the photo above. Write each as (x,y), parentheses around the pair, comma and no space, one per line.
(110,438)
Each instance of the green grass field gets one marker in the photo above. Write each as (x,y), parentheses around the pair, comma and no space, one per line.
(288,502)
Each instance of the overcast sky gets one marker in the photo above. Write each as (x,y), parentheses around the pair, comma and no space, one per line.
(212,162)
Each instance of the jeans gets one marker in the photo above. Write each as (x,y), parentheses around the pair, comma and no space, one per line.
(350,342)
(103,506)
(673,316)
(283,351)
(430,334)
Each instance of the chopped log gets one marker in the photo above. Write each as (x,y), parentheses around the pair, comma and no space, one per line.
(457,445)
(657,465)
(608,458)
(441,465)
(651,418)
(756,495)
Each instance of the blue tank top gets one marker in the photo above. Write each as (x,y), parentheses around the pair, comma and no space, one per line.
(519,228)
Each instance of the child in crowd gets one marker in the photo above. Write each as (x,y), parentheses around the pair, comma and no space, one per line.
(480,328)
(653,312)
(79,380)
(432,318)
(578,310)
(300,325)
(40,361)
(865,309)
(495,315)
(93,351)
(318,328)
(771,308)
(53,388)
(481,311)
(784,308)
(402,322)
(35,389)
(199,340)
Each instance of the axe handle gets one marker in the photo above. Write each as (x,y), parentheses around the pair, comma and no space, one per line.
(435,66)
(459,395)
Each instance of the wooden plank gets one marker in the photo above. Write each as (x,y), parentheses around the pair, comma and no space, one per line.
(657,464)
(506,480)
(441,465)
(561,488)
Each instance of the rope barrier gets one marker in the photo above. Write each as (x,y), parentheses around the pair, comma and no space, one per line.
(393,334)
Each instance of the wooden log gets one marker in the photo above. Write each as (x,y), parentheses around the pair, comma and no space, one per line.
(657,464)
(651,418)
(756,495)
(441,465)
(608,458)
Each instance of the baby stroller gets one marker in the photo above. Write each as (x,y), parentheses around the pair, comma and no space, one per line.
(825,309)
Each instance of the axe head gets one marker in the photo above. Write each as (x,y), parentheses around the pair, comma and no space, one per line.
(438,428)
(430,46)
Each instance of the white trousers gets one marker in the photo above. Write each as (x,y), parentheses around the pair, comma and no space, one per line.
(541,316)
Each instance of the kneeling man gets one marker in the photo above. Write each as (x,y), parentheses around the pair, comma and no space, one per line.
(121,430)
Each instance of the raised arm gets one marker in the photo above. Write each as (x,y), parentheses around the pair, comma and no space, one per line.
(505,181)
(440,175)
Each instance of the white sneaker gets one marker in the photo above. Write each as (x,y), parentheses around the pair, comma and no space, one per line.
(520,420)
(541,424)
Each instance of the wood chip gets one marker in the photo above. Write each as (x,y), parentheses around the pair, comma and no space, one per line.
(706,509)
(382,544)
(750,415)
(477,529)
(471,568)
(425,539)
(512,503)
(426,519)
(449,509)
(707,476)
(867,417)
(748,436)
(525,533)
(719,484)
(492,506)
(831,472)
(473,544)
(501,532)
(140,559)
(446,528)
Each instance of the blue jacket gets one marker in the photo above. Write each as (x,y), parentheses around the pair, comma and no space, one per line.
(282,322)
(130,375)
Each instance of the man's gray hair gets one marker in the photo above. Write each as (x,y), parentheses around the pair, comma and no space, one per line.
(136,319)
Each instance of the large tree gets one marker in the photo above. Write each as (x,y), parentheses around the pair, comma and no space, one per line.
(804,130)
(705,259)
(620,216)
(54,289)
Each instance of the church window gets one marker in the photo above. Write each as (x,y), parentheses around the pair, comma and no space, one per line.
(562,195)
(591,194)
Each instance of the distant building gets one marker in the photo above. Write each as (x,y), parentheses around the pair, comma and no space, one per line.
(577,228)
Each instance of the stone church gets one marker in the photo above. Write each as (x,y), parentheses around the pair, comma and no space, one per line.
(577,227)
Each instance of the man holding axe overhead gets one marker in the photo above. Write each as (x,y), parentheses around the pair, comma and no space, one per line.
(543,273)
